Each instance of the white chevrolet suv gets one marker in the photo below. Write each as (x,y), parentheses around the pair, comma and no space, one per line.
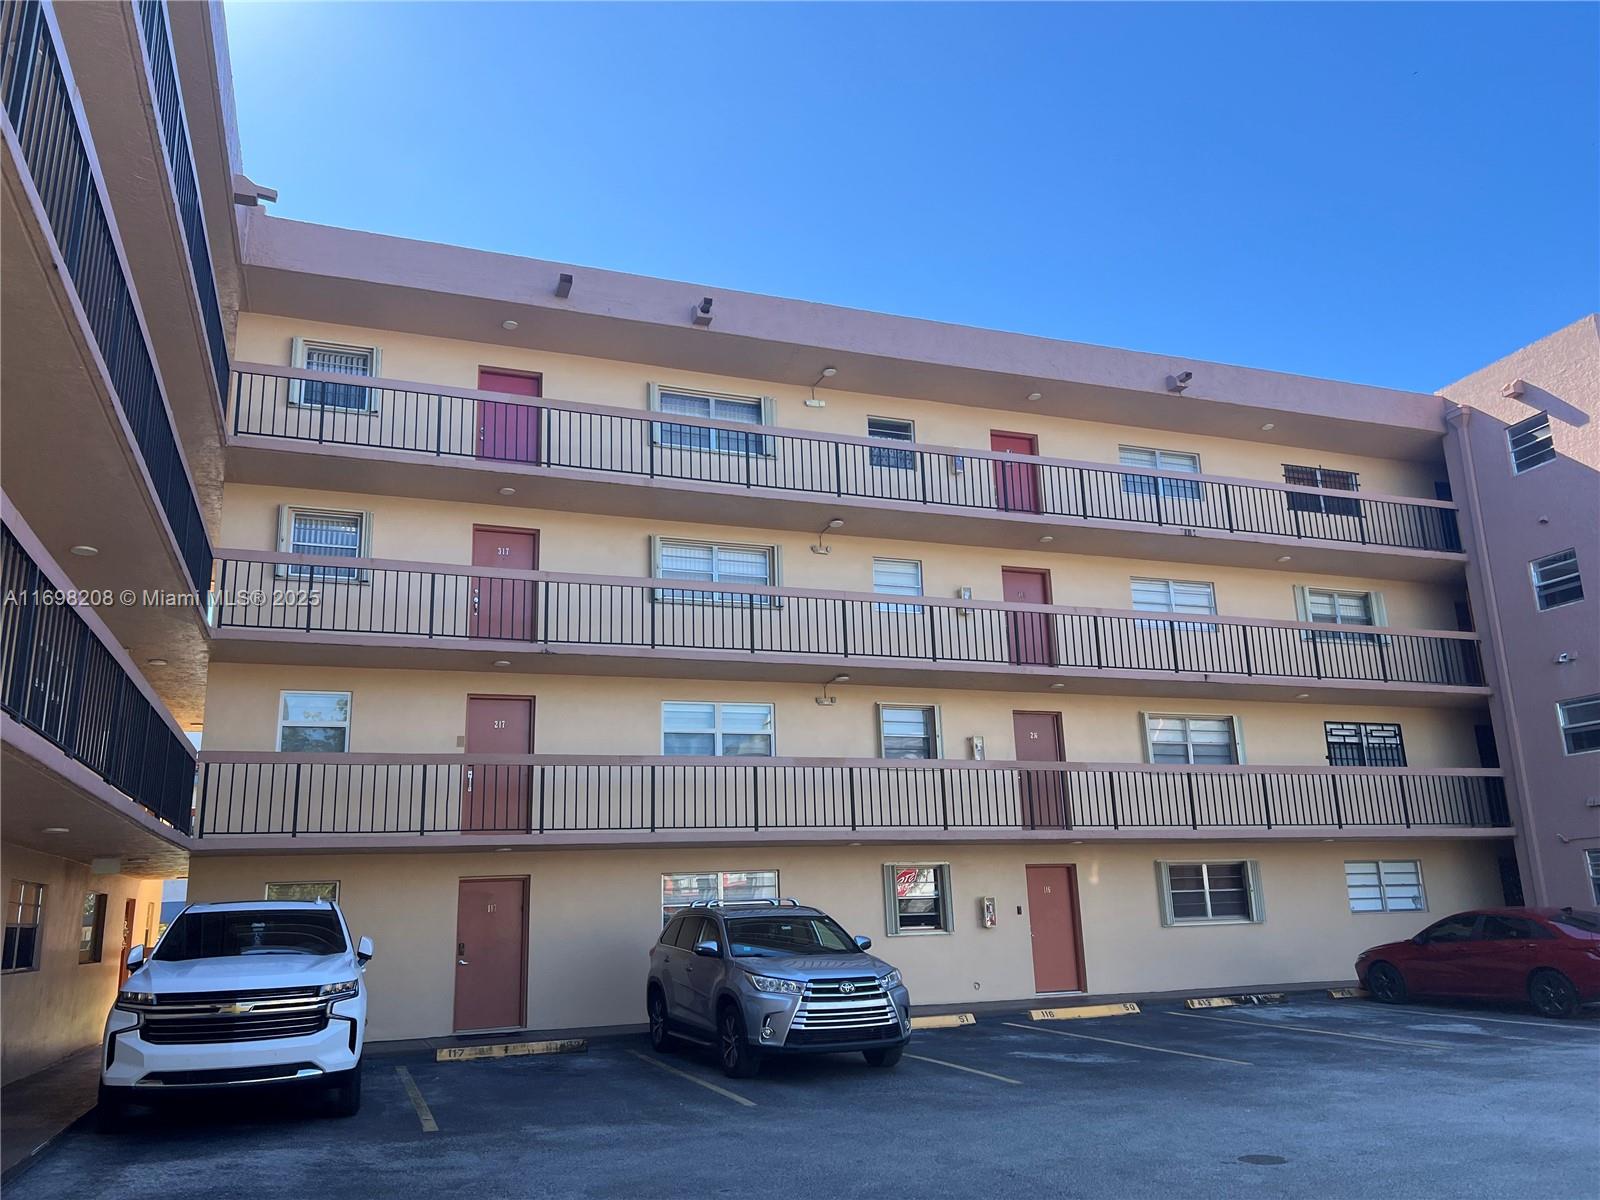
(246,993)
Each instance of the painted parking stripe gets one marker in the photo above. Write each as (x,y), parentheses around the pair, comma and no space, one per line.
(705,1083)
(424,1113)
(1447,1012)
(1238,1062)
(1403,1019)
(1291,1028)
(969,1070)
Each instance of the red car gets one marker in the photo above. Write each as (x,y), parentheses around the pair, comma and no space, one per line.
(1549,957)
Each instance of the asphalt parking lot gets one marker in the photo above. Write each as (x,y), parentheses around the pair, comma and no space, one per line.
(1314,1097)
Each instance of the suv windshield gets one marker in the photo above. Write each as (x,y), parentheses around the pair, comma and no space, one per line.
(776,937)
(229,934)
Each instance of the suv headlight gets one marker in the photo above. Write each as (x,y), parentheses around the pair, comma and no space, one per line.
(334,991)
(766,983)
(135,999)
(892,979)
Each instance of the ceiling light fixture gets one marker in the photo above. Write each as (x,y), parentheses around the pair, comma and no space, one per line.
(155,662)
(1302,695)
(1046,539)
(1268,427)
(1056,687)
(508,325)
(1035,395)
(508,491)
(86,551)
(1285,557)
(502,662)
(56,829)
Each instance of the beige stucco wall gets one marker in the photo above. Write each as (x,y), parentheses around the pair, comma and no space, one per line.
(437,531)
(451,363)
(594,914)
(424,712)
(62,1006)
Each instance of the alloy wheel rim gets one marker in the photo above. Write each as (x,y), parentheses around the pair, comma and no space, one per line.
(730,1043)
(658,1021)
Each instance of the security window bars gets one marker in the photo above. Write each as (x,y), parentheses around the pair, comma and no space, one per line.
(337,360)
(1322,477)
(1385,886)
(746,410)
(705,730)
(680,889)
(1364,744)
(1160,460)
(327,535)
(92,935)
(24,915)
(1195,741)
(1556,580)
(891,429)
(907,732)
(326,889)
(1531,443)
(897,577)
(917,898)
(1580,724)
(1206,892)
(711,562)
(314,722)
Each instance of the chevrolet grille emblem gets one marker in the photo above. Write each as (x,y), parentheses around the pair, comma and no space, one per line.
(234,1010)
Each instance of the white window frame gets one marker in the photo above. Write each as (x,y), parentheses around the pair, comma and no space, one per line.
(1517,430)
(892,606)
(766,449)
(330,574)
(1378,867)
(1564,725)
(1168,489)
(1169,585)
(716,730)
(1252,876)
(1339,629)
(688,596)
(1234,724)
(937,732)
(1541,584)
(1591,859)
(891,906)
(346,725)
(330,893)
(17,902)
(298,356)
(890,456)
(722,887)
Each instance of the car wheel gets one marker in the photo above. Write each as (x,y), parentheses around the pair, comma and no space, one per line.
(885,1056)
(110,1110)
(347,1093)
(1386,983)
(738,1056)
(1553,994)
(660,1028)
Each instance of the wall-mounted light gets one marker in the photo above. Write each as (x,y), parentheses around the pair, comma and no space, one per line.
(816,401)
(1180,381)
(701,313)
(825,700)
(564,286)
(820,547)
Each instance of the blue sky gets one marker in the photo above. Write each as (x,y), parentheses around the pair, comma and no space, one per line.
(1393,194)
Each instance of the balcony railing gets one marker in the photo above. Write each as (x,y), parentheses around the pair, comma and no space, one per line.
(336,794)
(175,132)
(305,406)
(38,105)
(541,608)
(58,679)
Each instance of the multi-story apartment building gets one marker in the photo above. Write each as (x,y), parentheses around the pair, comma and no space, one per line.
(546,600)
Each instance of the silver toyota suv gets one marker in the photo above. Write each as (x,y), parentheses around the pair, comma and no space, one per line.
(773,977)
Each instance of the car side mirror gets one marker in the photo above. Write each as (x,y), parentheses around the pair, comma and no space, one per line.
(708,948)
(863,941)
(135,958)
(364,951)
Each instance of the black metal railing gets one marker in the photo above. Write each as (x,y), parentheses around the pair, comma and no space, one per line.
(175,131)
(38,106)
(330,794)
(305,408)
(58,679)
(331,595)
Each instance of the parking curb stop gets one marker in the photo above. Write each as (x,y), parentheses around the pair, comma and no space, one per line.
(1348,993)
(944,1021)
(511,1049)
(1209,1002)
(1123,1009)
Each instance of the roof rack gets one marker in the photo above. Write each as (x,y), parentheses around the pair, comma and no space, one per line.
(768,902)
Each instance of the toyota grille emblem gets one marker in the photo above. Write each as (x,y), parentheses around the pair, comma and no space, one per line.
(847,987)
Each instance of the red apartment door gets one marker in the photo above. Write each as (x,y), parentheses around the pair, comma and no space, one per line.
(504,608)
(1044,793)
(1030,633)
(508,431)
(495,795)
(1053,922)
(491,953)
(1016,485)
